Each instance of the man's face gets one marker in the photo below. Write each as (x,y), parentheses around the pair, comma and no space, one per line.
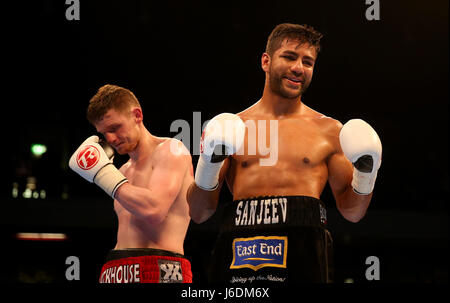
(290,69)
(120,130)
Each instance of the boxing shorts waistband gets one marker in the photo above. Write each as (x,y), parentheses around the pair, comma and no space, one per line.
(145,265)
(274,211)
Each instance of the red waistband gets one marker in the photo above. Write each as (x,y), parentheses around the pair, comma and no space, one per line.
(147,269)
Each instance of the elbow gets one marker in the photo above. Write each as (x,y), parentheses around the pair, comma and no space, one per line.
(158,209)
(199,216)
(155,216)
(196,212)
(197,220)
(196,217)
(351,216)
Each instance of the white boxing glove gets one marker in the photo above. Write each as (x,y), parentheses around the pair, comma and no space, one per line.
(222,137)
(362,146)
(93,163)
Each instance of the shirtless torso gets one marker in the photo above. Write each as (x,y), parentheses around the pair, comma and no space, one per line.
(151,207)
(305,143)
(137,232)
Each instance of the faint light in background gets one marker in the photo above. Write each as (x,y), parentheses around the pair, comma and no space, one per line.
(65,193)
(30,187)
(31,190)
(27,193)
(349,280)
(38,149)
(41,236)
(15,190)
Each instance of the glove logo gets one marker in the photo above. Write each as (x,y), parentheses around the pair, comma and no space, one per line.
(88,157)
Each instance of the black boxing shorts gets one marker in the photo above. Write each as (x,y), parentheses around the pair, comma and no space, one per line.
(273,239)
(145,265)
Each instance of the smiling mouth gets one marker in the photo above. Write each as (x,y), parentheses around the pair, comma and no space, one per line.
(294,81)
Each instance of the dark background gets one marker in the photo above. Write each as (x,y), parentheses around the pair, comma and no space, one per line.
(204,56)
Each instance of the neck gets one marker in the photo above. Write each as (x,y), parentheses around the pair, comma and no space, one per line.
(144,147)
(278,105)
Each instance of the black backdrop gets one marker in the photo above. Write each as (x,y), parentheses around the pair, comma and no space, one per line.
(200,56)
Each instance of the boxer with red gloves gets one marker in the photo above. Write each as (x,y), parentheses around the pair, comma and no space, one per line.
(277,204)
(149,191)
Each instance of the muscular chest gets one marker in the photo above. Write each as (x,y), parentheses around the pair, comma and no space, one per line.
(280,143)
(139,175)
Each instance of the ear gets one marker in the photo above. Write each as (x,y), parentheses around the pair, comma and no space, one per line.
(136,112)
(265,62)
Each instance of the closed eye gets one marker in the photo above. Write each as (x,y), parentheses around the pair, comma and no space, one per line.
(308,63)
(290,58)
(113,128)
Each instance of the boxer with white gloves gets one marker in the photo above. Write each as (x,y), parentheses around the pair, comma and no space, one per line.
(149,190)
(277,204)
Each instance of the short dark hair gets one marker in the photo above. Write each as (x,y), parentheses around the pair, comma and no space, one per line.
(303,33)
(108,97)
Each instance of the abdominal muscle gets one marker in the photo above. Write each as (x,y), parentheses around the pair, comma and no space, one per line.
(133,232)
(279,180)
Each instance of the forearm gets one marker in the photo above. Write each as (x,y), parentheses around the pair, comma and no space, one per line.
(351,205)
(202,203)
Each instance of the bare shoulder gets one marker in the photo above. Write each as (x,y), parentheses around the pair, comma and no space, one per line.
(170,148)
(328,126)
(249,113)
